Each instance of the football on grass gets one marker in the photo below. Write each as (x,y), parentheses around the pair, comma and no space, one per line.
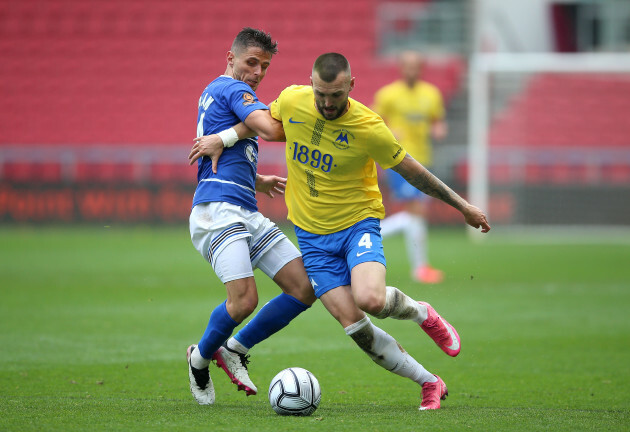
(294,391)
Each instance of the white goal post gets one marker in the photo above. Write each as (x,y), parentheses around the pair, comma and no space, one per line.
(483,69)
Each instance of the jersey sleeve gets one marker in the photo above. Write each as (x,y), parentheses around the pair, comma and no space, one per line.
(276,106)
(383,146)
(242,100)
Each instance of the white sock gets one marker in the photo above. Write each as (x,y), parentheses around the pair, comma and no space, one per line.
(197,361)
(395,223)
(386,352)
(399,305)
(413,370)
(235,345)
(416,241)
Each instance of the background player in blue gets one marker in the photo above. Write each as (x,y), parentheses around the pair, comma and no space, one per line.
(230,233)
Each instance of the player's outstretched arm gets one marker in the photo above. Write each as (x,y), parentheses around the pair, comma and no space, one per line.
(421,178)
(265,126)
(213,145)
(258,123)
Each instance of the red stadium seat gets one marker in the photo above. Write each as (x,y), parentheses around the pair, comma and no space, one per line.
(105,172)
(130,73)
(168,172)
(558,111)
(616,173)
(25,172)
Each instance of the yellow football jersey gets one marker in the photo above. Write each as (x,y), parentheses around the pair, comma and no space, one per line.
(409,112)
(332,180)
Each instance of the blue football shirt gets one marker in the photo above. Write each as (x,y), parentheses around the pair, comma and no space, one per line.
(224,103)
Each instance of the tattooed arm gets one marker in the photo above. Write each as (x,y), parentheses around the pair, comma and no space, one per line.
(421,178)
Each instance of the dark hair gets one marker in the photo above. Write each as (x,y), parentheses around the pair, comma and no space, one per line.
(329,65)
(251,37)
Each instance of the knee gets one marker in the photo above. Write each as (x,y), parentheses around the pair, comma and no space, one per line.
(417,208)
(301,289)
(305,293)
(371,302)
(294,281)
(249,305)
(241,307)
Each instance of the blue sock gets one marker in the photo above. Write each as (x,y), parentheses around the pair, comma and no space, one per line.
(273,316)
(219,329)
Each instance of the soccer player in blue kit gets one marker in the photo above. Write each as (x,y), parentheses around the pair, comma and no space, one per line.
(229,232)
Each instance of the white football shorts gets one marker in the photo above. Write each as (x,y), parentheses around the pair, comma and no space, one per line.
(235,241)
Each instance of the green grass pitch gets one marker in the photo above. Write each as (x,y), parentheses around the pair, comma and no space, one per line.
(94,324)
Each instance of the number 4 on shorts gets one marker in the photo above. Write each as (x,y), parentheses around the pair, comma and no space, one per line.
(365,241)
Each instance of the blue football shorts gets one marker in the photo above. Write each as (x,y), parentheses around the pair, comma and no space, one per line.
(401,190)
(329,258)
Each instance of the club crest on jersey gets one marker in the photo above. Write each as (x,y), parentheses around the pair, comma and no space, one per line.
(248,99)
(251,154)
(342,140)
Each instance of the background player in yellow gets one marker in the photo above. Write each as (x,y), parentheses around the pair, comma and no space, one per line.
(334,201)
(414,111)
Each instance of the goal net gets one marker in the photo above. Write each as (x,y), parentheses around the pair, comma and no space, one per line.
(549,141)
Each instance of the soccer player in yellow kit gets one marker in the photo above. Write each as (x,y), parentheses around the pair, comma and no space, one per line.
(414,111)
(334,202)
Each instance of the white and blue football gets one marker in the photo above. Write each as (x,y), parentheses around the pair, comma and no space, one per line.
(294,391)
